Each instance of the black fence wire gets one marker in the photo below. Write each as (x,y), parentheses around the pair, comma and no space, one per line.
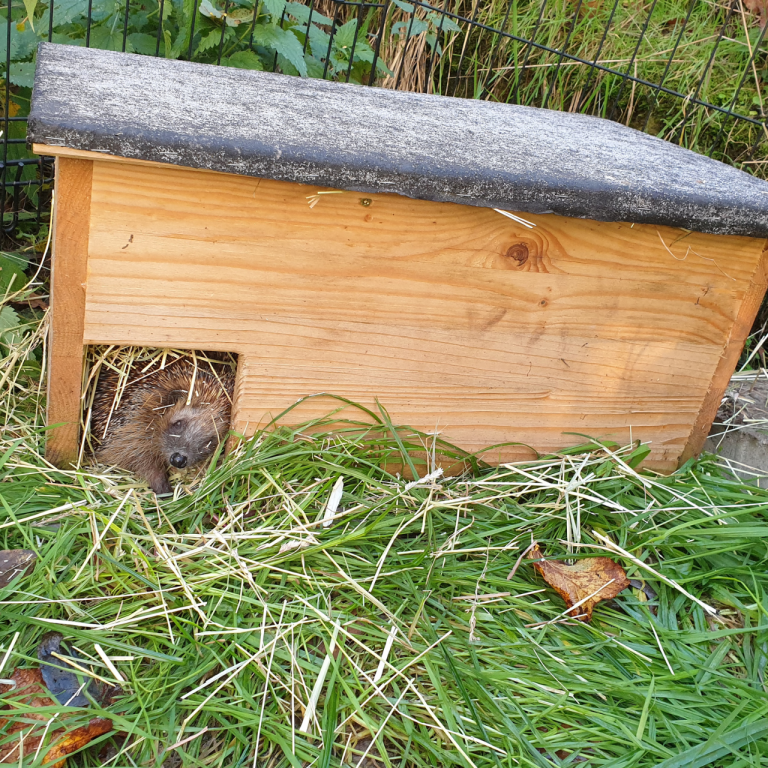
(689,71)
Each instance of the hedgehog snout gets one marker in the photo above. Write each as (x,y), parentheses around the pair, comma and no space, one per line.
(179,460)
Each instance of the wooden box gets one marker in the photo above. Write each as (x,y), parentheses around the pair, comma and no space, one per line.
(358,241)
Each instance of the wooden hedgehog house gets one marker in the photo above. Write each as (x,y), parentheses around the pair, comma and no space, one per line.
(358,241)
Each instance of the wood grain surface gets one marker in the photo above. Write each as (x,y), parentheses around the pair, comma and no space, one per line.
(68,283)
(728,359)
(458,319)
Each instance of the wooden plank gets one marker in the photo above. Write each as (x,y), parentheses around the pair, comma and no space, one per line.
(456,318)
(68,290)
(239,427)
(728,359)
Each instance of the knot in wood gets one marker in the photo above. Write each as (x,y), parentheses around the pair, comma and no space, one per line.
(518,252)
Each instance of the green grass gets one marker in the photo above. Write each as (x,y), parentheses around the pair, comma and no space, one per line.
(229,597)
(650,41)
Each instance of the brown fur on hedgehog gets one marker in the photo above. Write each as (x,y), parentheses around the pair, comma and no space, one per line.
(153,427)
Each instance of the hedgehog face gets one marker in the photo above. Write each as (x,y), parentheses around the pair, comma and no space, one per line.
(190,436)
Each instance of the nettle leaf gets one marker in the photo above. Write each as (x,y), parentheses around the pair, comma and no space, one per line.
(9,330)
(314,66)
(274,8)
(318,42)
(283,42)
(8,319)
(416,26)
(101,10)
(64,12)
(12,276)
(407,7)
(173,51)
(444,23)
(365,53)
(244,60)
(431,38)
(63,39)
(23,74)
(211,40)
(20,260)
(142,43)
(103,37)
(345,35)
(186,9)
(233,18)
(286,67)
(451,25)
(350,39)
(301,13)
(23,43)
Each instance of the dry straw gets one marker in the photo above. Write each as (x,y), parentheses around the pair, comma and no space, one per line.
(250,621)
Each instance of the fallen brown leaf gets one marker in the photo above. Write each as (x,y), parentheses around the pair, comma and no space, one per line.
(600,577)
(13,562)
(759,8)
(29,689)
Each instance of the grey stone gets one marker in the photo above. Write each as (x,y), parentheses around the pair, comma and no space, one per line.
(747,452)
(374,140)
(740,430)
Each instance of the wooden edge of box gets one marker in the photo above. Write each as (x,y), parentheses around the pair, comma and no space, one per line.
(71,224)
(50,150)
(748,310)
(238,430)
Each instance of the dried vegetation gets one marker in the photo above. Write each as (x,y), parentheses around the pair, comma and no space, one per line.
(299,605)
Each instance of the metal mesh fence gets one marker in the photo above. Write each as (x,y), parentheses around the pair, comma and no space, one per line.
(689,71)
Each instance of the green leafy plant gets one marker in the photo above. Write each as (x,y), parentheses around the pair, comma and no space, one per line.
(9,333)
(431,22)
(247,34)
(250,34)
(12,277)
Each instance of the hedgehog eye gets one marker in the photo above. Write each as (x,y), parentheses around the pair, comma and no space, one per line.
(177,424)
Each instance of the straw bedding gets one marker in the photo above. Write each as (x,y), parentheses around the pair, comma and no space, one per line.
(298,604)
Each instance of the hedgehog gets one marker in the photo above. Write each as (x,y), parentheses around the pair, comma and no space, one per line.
(158,423)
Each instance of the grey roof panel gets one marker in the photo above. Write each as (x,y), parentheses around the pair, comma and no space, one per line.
(375,140)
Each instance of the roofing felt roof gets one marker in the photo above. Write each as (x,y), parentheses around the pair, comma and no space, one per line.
(374,140)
